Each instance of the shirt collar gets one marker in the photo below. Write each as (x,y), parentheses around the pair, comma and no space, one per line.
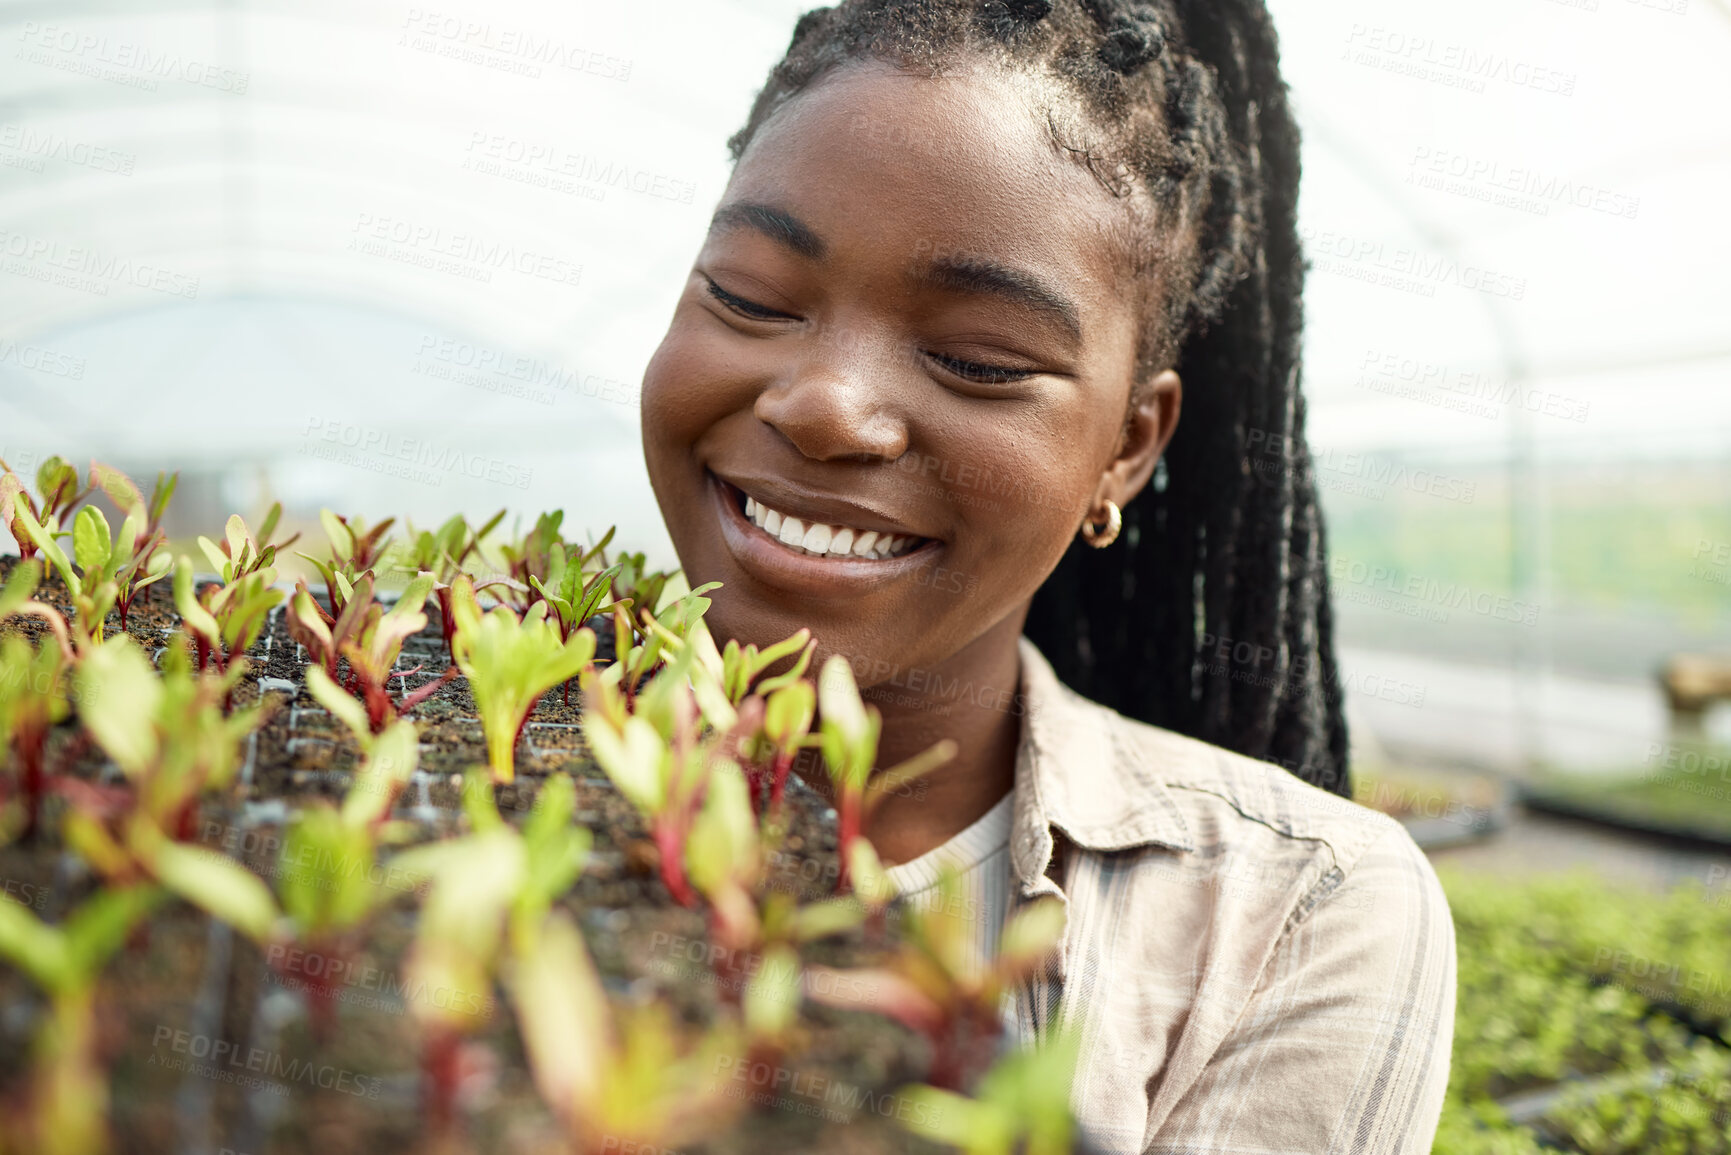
(1072,775)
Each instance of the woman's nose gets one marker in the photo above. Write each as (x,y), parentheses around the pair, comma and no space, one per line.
(840,400)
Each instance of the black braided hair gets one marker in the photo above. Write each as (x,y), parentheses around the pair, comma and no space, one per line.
(1210,615)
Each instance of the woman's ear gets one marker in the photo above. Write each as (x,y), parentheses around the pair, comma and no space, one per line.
(1147,430)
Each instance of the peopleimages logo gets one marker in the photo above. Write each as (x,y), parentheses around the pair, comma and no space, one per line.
(1426,593)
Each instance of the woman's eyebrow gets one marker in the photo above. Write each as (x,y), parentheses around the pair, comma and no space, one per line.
(979,275)
(778,225)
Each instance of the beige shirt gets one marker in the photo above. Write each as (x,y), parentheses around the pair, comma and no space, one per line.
(1256,965)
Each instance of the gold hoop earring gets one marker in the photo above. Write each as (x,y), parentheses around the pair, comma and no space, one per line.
(1101,538)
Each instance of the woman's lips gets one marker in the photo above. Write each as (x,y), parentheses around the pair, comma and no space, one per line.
(768,560)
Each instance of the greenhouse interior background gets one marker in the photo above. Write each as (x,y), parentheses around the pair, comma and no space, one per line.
(399,260)
(282,248)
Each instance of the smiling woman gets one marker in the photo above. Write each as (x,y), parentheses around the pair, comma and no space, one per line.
(903,392)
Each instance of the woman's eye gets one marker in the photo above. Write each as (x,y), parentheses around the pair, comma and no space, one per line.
(975,371)
(746,308)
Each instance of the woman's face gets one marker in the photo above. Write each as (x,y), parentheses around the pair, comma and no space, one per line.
(911,320)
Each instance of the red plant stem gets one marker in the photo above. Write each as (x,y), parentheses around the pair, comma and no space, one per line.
(523,723)
(778,777)
(848,808)
(31,743)
(757,782)
(670,842)
(378,702)
(183,820)
(730,975)
(441,1051)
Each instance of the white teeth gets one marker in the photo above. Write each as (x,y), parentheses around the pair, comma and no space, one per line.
(823,540)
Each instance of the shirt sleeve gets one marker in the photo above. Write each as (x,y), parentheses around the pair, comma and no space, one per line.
(1344,1045)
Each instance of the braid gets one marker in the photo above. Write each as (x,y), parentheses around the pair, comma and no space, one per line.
(1211,614)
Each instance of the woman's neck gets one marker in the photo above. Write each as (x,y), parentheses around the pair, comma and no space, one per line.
(972,697)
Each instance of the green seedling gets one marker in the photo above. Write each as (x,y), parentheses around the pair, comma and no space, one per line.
(678,625)
(576,598)
(1022,1105)
(240,552)
(787,716)
(849,740)
(57,483)
(327,879)
(743,667)
(33,699)
(632,1080)
(933,985)
(445,551)
(487,893)
(172,741)
(371,639)
(724,857)
(510,662)
(726,861)
(531,559)
(135,559)
(104,566)
(541,558)
(638,584)
(225,620)
(654,756)
(66,1101)
(355,549)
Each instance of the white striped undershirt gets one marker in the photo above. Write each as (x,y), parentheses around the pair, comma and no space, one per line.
(982,854)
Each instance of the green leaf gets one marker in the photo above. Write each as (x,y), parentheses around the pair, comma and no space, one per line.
(342,541)
(49,547)
(838,697)
(220,564)
(161,494)
(344,706)
(390,763)
(773,995)
(123,680)
(946,1117)
(723,846)
(788,713)
(238,538)
(270,520)
(1030,935)
(562,1014)
(633,759)
(102,923)
(34,947)
(193,615)
(831,916)
(219,886)
(92,541)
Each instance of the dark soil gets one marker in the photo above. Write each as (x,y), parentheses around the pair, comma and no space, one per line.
(186,1004)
